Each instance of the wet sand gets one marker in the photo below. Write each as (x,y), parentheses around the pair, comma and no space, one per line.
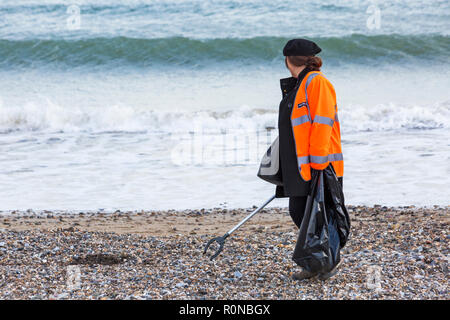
(154,223)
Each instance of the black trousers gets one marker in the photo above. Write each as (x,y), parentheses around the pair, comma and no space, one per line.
(297,206)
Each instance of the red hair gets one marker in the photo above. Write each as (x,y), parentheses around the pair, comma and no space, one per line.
(313,63)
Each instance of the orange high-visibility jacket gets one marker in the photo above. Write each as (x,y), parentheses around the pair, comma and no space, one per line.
(315,126)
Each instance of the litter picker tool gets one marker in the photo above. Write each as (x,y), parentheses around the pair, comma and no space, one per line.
(221,240)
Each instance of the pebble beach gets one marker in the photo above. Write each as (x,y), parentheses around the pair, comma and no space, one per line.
(392,253)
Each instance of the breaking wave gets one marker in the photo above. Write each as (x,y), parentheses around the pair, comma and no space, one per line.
(136,52)
(48,116)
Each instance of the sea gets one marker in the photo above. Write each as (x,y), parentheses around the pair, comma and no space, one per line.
(171,104)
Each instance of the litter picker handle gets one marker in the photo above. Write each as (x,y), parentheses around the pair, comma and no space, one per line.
(249,216)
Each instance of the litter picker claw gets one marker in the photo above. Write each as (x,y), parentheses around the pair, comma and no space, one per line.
(221,240)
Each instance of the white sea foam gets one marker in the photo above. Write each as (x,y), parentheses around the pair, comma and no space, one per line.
(84,171)
(49,116)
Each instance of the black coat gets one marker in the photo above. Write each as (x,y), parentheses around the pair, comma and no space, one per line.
(293,183)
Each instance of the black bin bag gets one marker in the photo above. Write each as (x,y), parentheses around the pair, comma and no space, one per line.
(325,226)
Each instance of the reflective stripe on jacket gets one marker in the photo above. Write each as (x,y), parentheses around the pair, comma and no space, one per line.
(315,126)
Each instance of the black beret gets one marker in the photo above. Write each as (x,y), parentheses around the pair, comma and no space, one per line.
(301,47)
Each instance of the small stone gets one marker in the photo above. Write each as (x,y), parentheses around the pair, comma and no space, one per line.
(202,291)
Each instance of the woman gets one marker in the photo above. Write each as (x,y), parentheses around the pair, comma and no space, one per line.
(309,132)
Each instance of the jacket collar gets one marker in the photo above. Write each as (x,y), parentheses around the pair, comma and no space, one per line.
(301,75)
(287,84)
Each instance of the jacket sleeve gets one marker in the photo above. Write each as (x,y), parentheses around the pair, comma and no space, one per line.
(322,103)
